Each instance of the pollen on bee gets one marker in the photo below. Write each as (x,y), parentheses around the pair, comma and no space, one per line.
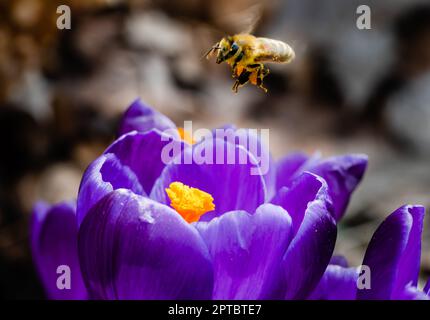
(253,78)
(239,70)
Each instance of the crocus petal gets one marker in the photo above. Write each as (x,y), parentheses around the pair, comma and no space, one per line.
(131,247)
(134,162)
(55,250)
(310,250)
(38,215)
(393,253)
(251,141)
(427,288)
(339,261)
(295,200)
(142,118)
(409,264)
(337,283)
(102,176)
(247,251)
(411,292)
(146,154)
(342,174)
(287,167)
(234,186)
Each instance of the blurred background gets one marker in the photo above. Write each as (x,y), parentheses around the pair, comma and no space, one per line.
(62,93)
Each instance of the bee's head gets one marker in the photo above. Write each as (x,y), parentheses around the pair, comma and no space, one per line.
(227,48)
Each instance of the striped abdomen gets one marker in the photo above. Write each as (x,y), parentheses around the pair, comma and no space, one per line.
(270,50)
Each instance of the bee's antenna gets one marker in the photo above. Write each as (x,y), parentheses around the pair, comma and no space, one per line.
(215,47)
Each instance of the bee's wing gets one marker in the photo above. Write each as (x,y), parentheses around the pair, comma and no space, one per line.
(243,21)
(233,19)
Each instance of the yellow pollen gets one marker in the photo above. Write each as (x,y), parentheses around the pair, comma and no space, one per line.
(239,70)
(186,136)
(190,203)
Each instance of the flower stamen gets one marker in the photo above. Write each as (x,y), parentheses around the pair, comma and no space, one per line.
(190,203)
(186,136)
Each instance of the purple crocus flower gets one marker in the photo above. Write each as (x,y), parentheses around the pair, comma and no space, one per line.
(339,281)
(151,230)
(54,243)
(393,258)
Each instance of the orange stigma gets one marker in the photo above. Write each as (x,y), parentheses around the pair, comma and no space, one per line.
(190,203)
(186,136)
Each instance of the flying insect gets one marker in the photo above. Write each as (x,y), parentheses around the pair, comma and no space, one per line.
(247,55)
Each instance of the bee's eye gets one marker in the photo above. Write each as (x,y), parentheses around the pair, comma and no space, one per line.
(234,47)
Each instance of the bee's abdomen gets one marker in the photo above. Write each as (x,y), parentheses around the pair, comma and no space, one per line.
(275,50)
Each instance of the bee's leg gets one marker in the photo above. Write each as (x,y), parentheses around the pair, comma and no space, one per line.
(260,85)
(241,81)
(262,73)
(235,86)
(259,72)
(255,71)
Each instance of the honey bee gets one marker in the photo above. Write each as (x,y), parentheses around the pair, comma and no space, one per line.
(246,54)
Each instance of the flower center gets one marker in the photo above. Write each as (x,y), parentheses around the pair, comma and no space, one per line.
(186,136)
(190,203)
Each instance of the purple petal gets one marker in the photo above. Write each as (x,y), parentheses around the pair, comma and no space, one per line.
(339,261)
(409,265)
(234,186)
(247,251)
(342,174)
(134,161)
(146,154)
(427,288)
(310,250)
(105,174)
(250,140)
(296,199)
(287,167)
(38,215)
(411,293)
(393,253)
(142,118)
(131,247)
(54,244)
(337,283)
